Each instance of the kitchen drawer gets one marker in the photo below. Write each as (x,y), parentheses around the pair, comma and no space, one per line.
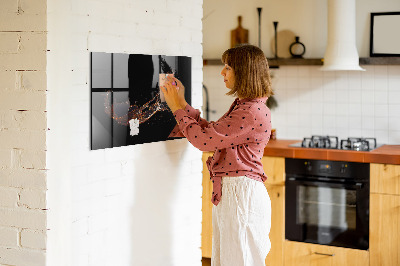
(305,254)
(385,178)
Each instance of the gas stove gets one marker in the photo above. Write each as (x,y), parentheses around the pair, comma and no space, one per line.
(332,142)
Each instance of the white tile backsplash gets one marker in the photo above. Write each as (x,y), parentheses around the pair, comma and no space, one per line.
(367,110)
(292,83)
(381,97)
(381,71)
(394,137)
(381,110)
(343,103)
(382,136)
(367,96)
(394,123)
(355,96)
(394,97)
(394,83)
(381,83)
(394,110)
(342,109)
(329,109)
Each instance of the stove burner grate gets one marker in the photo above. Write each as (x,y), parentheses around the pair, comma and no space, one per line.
(332,142)
(358,144)
(328,142)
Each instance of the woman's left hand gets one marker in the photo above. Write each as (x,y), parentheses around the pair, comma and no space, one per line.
(171,95)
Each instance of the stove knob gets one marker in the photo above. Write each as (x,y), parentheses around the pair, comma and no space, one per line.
(308,166)
(343,168)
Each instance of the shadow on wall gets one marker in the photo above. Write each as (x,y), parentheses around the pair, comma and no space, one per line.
(155,204)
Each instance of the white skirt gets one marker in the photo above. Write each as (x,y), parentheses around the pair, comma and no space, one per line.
(241,223)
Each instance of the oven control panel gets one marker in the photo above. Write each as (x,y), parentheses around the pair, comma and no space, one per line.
(337,169)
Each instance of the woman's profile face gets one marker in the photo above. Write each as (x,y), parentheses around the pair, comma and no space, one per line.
(229,76)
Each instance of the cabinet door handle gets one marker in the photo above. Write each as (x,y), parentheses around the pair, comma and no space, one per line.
(324,254)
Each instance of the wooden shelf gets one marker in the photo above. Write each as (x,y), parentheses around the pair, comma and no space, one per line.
(380,61)
(273,63)
(294,62)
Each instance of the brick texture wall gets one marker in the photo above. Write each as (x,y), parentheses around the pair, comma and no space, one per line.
(60,202)
(23,126)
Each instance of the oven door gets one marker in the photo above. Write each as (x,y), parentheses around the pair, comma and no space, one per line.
(327,213)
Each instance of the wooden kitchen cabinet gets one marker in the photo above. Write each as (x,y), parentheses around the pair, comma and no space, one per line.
(277,233)
(385,215)
(274,168)
(384,236)
(385,178)
(206,225)
(305,254)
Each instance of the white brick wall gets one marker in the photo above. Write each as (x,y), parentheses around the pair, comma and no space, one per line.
(9,237)
(134,205)
(8,197)
(23,132)
(34,239)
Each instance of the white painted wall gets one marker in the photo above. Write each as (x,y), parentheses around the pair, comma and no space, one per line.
(311,102)
(306,18)
(134,205)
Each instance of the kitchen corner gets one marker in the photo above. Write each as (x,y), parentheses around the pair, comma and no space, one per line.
(342,205)
(382,213)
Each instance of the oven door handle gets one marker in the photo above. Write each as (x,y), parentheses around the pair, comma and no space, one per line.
(352,185)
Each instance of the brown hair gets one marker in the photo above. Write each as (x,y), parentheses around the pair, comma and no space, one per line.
(250,66)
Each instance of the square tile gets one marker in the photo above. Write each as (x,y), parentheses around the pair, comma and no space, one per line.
(368,110)
(394,137)
(381,84)
(380,71)
(367,96)
(381,97)
(394,110)
(394,97)
(355,122)
(381,110)
(329,109)
(382,136)
(367,123)
(394,123)
(355,96)
(355,109)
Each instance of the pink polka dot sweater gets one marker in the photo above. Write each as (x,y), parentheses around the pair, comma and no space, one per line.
(238,139)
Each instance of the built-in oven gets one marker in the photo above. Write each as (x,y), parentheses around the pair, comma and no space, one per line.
(327,202)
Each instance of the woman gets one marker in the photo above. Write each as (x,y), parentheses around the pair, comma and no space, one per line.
(242,208)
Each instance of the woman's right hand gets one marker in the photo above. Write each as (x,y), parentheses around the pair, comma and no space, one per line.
(181,90)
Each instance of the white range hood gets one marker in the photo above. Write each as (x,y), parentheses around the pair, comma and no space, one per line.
(341,51)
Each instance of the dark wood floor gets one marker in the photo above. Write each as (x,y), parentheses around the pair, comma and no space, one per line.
(206,261)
